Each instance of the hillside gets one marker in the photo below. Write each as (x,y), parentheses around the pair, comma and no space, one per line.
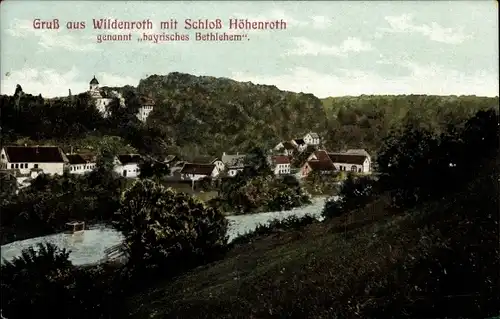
(201,115)
(363,121)
(433,261)
(218,114)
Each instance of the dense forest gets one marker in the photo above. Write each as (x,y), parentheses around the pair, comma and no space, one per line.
(199,115)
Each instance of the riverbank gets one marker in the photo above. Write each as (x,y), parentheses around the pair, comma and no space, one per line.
(86,249)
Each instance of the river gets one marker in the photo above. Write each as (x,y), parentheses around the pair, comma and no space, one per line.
(89,246)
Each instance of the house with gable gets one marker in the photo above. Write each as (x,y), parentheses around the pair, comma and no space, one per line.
(81,163)
(349,162)
(280,164)
(233,163)
(146,105)
(213,160)
(127,165)
(195,172)
(320,166)
(28,159)
(312,138)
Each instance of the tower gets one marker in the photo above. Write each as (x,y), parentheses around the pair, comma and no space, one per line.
(94,84)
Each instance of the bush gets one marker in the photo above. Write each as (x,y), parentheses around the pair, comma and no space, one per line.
(163,228)
(37,282)
(355,193)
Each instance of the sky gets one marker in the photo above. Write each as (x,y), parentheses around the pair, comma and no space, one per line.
(333,48)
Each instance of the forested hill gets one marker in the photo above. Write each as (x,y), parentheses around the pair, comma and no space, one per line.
(201,115)
(219,114)
(363,121)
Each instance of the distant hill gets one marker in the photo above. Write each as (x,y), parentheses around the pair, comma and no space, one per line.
(219,114)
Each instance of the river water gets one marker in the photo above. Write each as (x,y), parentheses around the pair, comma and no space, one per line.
(89,246)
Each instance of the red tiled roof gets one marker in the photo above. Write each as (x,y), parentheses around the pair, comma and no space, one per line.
(321,165)
(347,158)
(322,156)
(34,154)
(198,169)
(281,159)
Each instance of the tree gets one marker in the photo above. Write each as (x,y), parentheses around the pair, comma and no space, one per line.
(169,229)
(150,168)
(38,281)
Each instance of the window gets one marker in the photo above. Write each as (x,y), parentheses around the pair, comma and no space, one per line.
(11,165)
(25,165)
(17,165)
(359,170)
(353,168)
(35,165)
(3,156)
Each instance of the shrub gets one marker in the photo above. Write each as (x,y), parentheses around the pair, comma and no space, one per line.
(39,281)
(169,229)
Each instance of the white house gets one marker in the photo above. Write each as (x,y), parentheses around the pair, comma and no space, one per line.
(219,165)
(127,165)
(81,163)
(233,163)
(312,139)
(46,159)
(194,172)
(360,151)
(350,162)
(280,164)
(146,106)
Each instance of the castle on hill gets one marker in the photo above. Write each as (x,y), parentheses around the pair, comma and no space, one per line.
(146,104)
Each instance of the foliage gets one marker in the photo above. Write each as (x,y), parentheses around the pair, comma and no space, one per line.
(38,281)
(168,230)
(51,201)
(355,193)
(42,280)
(318,183)
(365,121)
(417,165)
(150,168)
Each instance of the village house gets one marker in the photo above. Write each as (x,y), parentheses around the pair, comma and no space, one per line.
(312,139)
(364,153)
(300,144)
(233,163)
(280,164)
(195,172)
(286,148)
(81,163)
(320,166)
(219,165)
(350,162)
(46,159)
(127,165)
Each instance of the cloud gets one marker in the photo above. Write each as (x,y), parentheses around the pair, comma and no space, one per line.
(430,79)
(51,83)
(434,31)
(308,47)
(321,22)
(50,39)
